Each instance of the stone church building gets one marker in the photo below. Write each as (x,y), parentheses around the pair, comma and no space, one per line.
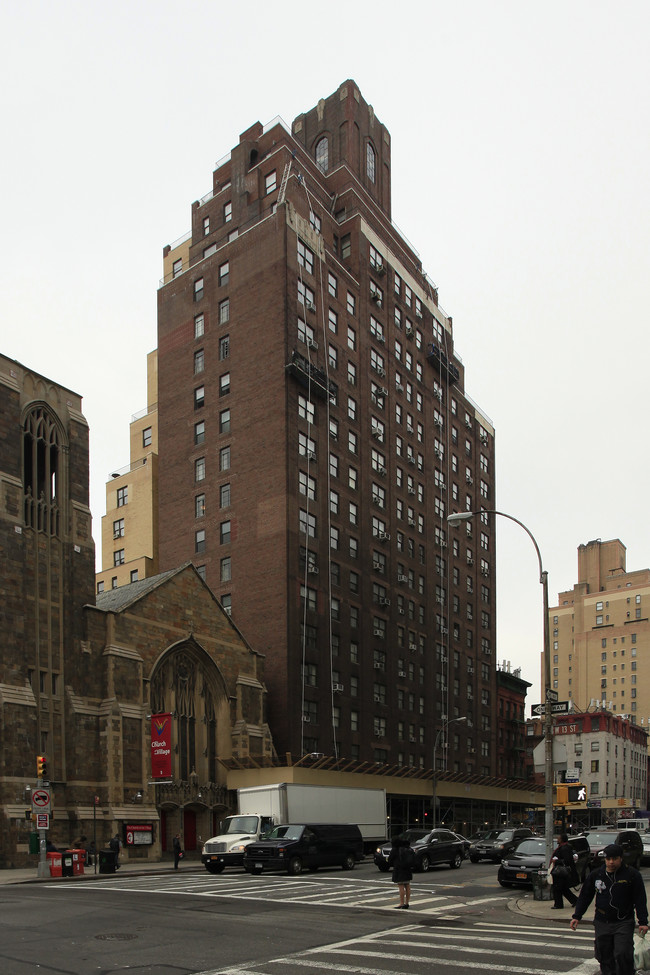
(80,675)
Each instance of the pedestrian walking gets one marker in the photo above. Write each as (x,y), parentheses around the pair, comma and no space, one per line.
(564,873)
(619,892)
(401,858)
(178,850)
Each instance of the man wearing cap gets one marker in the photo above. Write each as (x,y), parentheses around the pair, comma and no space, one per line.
(619,892)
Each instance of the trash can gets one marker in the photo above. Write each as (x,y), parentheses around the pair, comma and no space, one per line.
(54,861)
(78,861)
(107,861)
(67,868)
(541,887)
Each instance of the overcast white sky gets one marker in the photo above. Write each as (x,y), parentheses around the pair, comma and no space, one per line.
(520,146)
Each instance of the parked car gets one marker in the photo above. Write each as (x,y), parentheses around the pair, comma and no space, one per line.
(629,839)
(431,847)
(529,856)
(498,843)
(296,845)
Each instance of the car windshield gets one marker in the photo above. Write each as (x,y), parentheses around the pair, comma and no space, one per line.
(601,839)
(497,834)
(240,824)
(529,847)
(285,833)
(414,835)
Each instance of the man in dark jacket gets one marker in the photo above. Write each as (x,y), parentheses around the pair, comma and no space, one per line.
(619,892)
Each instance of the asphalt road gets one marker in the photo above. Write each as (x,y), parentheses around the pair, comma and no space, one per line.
(191,922)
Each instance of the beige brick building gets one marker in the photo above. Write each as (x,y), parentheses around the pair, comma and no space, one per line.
(600,634)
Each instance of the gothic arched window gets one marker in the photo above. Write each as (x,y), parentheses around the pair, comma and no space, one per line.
(322,154)
(41,472)
(371,163)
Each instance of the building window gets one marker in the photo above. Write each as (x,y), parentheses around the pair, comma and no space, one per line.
(199,326)
(225,568)
(118,557)
(371,163)
(224,459)
(122,496)
(224,421)
(227,212)
(118,528)
(307,523)
(224,496)
(146,437)
(224,533)
(305,257)
(199,361)
(199,506)
(346,247)
(199,469)
(134,578)
(270,182)
(322,154)
(100,588)
(177,267)
(198,289)
(206,226)
(315,221)
(224,273)
(224,311)
(306,409)
(199,397)
(224,384)
(199,432)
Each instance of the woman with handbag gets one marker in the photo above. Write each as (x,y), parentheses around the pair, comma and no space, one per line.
(564,874)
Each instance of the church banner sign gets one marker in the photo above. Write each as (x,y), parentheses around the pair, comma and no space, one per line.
(161,746)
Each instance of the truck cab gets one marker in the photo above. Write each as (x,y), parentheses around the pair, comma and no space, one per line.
(227,849)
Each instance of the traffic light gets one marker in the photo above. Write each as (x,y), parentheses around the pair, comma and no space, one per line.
(41,766)
(577,793)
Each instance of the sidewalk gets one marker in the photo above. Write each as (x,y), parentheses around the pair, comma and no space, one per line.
(26,875)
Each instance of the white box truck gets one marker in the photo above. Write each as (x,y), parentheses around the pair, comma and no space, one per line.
(260,808)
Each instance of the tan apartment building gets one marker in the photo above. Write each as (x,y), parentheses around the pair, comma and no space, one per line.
(129,527)
(600,634)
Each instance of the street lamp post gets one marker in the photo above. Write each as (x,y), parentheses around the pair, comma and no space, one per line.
(442,731)
(455,519)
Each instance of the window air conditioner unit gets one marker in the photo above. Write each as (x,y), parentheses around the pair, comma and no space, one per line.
(376,499)
(311,344)
(400,611)
(384,601)
(437,452)
(412,739)
(401,673)
(468,424)
(485,572)
(337,688)
(411,522)
(484,439)
(380,269)
(443,543)
(399,388)
(378,665)
(412,647)
(410,460)
(409,332)
(381,339)
(306,718)
(381,371)
(382,391)
(444,630)
(411,491)
(487,651)
(310,306)
(402,578)
(312,570)
(438,394)
(409,428)
(381,471)
(377,632)
(470,560)
(469,478)
(334,435)
(437,421)
(378,734)
(441,600)
(311,454)
(377,699)
(471,751)
(117,534)
(376,433)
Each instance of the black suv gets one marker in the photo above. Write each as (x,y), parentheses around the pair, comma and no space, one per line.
(296,845)
(629,839)
(430,846)
(498,843)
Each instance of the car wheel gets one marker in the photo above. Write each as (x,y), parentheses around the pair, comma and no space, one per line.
(456,862)
(294,866)
(474,859)
(383,867)
(423,863)
(505,883)
(349,862)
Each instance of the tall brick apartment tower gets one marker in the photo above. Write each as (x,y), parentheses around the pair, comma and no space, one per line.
(314,433)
